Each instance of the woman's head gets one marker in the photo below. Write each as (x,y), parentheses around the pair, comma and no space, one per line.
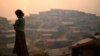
(19,13)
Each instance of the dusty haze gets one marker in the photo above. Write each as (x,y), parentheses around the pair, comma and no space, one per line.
(7,7)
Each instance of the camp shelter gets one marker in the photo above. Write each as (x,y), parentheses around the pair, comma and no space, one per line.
(86,47)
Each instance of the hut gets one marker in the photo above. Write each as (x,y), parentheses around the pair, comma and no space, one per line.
(86,47)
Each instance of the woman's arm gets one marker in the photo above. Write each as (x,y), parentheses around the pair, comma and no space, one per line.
(15,25)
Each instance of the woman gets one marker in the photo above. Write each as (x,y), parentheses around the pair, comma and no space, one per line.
(20,47)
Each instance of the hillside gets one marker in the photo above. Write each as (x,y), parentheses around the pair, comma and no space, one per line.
(74,25)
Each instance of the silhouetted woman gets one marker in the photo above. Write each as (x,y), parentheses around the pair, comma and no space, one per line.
(20,47)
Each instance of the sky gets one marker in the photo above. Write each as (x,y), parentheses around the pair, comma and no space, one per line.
(8,7)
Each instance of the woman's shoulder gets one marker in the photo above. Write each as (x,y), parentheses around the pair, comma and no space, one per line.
(21,19)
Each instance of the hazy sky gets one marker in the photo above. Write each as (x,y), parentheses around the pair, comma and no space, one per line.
(7,7)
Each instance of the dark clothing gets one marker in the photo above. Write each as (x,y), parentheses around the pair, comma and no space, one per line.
(19,24)
(20,47)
